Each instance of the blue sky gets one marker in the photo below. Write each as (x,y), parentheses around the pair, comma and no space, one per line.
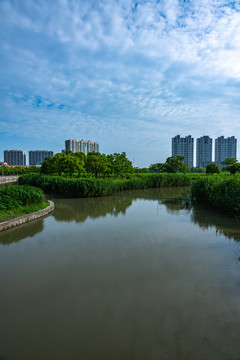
(127,74)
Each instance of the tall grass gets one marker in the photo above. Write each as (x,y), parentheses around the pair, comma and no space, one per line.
(14,196)
(221,192)
(90,187)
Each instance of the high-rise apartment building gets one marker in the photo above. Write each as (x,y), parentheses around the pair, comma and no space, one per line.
(36,157)
(204,151)
(183,146)
(15,157)
(81,146)
(225,148)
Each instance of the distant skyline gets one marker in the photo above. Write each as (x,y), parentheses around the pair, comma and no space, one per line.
(127,74)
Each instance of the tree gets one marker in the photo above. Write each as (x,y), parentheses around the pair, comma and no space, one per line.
(121,164)
(48,166)
(110,164)
(229,161)
(81,156)
(174,164)
(58,160)
(232,165)
(96,164)
(233,168)
(212,169)
(72,164)
(156,168)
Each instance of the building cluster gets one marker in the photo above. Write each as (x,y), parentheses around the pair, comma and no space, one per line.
(224,148)
(36,157)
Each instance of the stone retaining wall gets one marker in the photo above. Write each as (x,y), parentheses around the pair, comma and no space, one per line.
(8,179)
(26,218)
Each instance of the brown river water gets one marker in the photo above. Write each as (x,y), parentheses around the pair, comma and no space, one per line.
(136,276)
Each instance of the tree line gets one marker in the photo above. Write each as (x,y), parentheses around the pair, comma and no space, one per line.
(116,165)
(174,164)
(17,170)
(94,163)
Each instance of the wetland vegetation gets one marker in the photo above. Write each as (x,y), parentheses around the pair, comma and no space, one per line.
(17,200)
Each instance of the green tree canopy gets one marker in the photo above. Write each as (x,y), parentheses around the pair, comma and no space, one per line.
(49,166)
(233,168)
(121,164)
(81,156)
(72,164)
(156,168)
(212,169)
(96,163)
(174,164)
(229,161)
(58,161)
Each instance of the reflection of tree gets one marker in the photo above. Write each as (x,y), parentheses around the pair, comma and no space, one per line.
(206,218)
(173,206)
(21,232)
(81,208)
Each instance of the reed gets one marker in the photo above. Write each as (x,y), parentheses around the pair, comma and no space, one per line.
(221,192)
(15,196)
(90,187)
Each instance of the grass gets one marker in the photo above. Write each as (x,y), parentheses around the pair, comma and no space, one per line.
(22,210)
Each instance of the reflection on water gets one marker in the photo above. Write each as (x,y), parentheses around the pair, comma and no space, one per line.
(206,218)
(223,224)
(137,276)
(21,232)
(176,205)
(80,209)
(175,200)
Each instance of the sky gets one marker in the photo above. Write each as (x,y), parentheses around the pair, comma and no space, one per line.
(127,74)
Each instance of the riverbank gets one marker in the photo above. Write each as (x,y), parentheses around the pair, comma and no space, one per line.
(8,179)
(27,217)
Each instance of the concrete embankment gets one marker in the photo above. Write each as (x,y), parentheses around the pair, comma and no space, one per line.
(26,218)
(8,179)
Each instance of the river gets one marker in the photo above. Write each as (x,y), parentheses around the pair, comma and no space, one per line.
(136,276)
